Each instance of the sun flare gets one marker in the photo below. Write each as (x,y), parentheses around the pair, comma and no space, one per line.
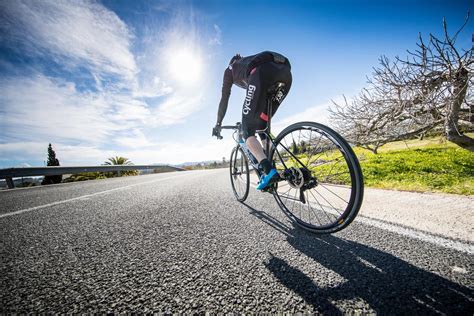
(185,66)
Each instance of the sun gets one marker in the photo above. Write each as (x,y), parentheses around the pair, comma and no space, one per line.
(185,66)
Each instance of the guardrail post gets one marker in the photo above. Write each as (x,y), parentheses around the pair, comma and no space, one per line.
(119,173)
(10,183)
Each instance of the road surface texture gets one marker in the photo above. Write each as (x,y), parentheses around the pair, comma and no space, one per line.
(180,242)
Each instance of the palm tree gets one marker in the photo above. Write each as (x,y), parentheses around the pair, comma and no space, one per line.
(117,160)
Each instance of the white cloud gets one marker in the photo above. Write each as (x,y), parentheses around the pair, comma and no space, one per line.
(216,40)
(318,113)
(152,87)
(81,155)
(175,109)
(75,32)
(135,139)
(179,152)
(22,151)
(68,155)
(43,109)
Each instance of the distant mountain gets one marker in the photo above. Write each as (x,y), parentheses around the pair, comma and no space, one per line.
(194,163)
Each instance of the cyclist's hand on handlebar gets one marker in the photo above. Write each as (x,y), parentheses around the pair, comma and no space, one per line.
(216,131)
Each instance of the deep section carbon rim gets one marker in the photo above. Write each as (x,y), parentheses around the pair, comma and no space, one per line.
(322,188)
(239,174)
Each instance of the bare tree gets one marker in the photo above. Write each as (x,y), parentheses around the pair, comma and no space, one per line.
(406,98)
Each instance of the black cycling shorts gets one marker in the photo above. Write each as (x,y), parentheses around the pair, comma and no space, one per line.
(254,110)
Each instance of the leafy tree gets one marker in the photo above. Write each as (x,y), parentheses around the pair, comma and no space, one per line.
(52,161)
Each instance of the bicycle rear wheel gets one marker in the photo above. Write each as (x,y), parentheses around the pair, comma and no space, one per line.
(322,187)
(239,174)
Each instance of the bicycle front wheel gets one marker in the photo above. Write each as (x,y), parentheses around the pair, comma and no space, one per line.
(322,184)
(239,174)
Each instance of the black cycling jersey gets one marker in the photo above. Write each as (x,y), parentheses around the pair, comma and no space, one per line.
(239,71)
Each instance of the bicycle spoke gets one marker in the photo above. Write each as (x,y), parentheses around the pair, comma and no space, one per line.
(335,174)
(310,208)
(324,211)
(328,202)
(324,186)
(329,161)
(289,197)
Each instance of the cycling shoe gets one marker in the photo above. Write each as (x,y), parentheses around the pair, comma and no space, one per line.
(267,179)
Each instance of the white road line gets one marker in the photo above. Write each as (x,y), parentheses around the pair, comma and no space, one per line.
(86,196)
(417,234)
(413,233)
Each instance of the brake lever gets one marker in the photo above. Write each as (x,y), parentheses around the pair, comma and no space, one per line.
(216,132)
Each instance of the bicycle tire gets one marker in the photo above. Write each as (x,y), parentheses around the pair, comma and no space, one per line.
(239,174)
(336,184)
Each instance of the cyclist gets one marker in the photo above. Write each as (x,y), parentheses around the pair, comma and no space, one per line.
(256,74)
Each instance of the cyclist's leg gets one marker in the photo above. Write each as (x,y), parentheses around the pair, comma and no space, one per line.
(252,119)
(253,104)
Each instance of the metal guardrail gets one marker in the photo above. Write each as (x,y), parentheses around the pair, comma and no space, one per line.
(9,173)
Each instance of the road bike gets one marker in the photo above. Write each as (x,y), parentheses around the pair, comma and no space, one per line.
(320,183)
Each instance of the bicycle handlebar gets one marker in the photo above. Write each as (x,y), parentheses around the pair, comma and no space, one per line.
(216,131)
(229,127)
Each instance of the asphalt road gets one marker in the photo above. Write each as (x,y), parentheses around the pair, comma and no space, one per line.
(180,242)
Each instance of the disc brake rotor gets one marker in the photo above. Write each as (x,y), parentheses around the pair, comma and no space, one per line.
(296,180)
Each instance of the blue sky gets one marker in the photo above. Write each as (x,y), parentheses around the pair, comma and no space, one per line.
(142,79)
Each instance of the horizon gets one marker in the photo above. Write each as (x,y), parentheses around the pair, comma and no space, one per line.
(143,79)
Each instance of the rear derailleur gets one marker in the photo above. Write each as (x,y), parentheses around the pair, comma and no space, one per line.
(299,178)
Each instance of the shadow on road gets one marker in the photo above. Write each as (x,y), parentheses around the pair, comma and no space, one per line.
(388,284)
(269,220)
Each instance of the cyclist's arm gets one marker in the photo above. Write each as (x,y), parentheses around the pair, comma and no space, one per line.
(226,86)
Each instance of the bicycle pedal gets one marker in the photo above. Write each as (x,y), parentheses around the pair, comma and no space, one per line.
(268,189)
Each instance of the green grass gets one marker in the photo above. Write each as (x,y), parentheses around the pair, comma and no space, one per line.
(416,143)
(428,165)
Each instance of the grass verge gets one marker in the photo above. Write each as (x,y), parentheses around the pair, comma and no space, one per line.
(428,165)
